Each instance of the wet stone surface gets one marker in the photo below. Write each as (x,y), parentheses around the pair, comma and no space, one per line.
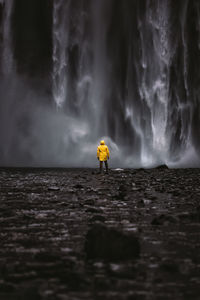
(74,234)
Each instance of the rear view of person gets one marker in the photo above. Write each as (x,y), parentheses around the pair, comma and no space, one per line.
(103,156)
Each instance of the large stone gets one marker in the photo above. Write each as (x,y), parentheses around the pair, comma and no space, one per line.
(111,244)
(162,167)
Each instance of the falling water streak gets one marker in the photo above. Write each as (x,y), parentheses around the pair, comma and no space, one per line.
(99,88)
(187,107)
(185,50)
(198,21)
(155,81)
(7,115)
(60,38)
(144,96)
(164,88)
(161,87)
(84,80)
(7,54)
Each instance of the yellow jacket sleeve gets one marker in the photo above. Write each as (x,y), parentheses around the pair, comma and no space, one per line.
(98,152)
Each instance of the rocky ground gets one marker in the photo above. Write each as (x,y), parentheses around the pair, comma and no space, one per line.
(73,234)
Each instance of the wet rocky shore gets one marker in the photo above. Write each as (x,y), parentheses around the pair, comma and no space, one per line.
(74,234)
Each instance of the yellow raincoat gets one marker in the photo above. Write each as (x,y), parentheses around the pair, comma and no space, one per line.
(102,152)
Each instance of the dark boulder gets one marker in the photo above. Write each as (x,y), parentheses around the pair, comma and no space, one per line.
(111,244)
(162,167)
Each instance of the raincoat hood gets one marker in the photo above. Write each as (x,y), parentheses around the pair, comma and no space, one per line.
(102,142)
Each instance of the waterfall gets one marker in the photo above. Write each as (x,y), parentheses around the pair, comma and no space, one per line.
(93,72)
(116,77)
(75,72)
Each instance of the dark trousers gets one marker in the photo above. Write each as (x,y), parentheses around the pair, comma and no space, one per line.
(101,166)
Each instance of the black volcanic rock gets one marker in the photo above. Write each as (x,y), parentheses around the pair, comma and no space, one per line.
(57,244)
(162,167)
(110,244)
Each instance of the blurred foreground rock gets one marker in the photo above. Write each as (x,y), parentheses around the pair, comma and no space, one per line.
(110,244)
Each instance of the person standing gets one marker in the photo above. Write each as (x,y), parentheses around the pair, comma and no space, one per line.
(103,155)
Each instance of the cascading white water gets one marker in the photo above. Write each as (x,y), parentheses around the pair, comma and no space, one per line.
(80,85)
(93,82)
(120,71)
(154,89)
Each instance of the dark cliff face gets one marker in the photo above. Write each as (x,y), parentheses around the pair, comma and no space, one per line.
(32,37)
